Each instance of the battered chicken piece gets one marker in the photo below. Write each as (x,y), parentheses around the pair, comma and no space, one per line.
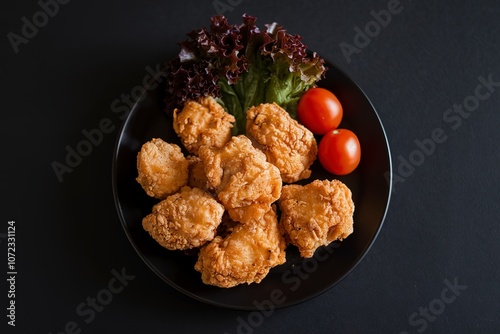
(162,168)
(185,220)
(203,122)
(287,144)
(197,177)
(316,214)
(245,183)
(227,226)
(244,256)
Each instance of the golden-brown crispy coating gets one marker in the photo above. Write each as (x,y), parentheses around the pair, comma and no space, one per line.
(287,144)
(227,226)
(203,122)
(162,168)
(197,177)
(316,214)
(184,220)
(246,255)
(245,183)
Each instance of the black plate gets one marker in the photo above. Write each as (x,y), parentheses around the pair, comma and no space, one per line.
(298,279)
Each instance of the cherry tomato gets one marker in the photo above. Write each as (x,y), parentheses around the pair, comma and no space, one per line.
(339,151)
(319,110)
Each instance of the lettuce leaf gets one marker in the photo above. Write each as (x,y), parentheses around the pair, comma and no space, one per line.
(242,67)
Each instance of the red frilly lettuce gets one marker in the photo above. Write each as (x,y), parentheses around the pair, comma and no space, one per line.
(242,66)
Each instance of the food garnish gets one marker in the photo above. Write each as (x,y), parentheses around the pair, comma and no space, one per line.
(319,110)
(339,151)
(242,66)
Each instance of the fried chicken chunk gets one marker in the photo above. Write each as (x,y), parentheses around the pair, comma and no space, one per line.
(245,183)
(162,168)
(246,255)
(316,214)
(185,220)
(203,122)
(287,144)
(197,177)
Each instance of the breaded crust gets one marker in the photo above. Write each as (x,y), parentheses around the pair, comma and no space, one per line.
(244,256)
(203,122)
(162,168)
(245,183)
(287,144)
(185,220)
(316,214)
(197,177)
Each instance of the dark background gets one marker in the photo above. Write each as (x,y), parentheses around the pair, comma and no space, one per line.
(442,224)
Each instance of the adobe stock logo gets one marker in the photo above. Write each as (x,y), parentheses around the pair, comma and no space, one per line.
(223,6)
(453,118)
(39,19)
(92,305)
(94,137)
(429,313)
(363,37)
(292,279)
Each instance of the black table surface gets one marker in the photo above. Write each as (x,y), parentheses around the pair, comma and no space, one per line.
(432,70)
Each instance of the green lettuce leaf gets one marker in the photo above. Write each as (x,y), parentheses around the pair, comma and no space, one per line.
(243,66)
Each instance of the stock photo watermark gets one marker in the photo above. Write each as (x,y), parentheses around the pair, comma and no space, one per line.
(372,29)
(421,318)
(31,26)
(88,309)
(11,272)
(453,117)
(223,6)
(293,279)
(94,137)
